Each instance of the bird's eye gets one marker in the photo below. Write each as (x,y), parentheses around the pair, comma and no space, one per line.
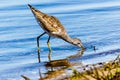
(78,43)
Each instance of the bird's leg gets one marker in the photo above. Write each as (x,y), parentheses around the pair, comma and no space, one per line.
(48,43)
(38,45)
(49,55)
(50,50)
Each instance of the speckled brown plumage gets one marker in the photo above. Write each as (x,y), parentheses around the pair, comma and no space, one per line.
(53,27)
(49,24)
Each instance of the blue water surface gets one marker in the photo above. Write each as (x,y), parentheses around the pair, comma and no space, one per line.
(96,23)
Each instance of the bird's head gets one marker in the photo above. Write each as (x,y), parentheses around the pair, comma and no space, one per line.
(78,43)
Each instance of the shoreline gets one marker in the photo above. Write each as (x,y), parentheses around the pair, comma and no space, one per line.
(66,70)
(101,71)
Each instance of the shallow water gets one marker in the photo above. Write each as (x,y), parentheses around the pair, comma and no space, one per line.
(96,23)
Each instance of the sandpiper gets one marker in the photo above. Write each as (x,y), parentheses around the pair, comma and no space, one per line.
(53,27)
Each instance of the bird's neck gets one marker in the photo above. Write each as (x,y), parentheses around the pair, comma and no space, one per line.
(69,39)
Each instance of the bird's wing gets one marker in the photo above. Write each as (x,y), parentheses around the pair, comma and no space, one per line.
(56,24)
(51,24)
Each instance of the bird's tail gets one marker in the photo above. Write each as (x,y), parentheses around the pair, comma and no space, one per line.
(35,11)
(29,5)
(32,8)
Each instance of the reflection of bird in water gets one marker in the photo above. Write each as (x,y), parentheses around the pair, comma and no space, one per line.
(52,26)
(25,77)
(79,54)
